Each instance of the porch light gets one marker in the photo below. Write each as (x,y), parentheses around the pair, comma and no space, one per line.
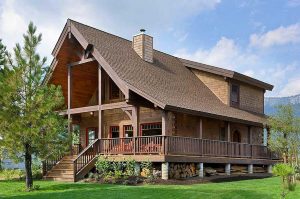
(92,113)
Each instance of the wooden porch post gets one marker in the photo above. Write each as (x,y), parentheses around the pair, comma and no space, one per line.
(250,134)
(69,101)
(164,127)
(99,102)
(200,129)
(228,132)
(135,125)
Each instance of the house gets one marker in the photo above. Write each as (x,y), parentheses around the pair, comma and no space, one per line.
(129,100)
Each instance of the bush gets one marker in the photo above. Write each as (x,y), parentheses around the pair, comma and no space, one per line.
(11,174)
(103,166)
(285,171)
(130,167)
(147,168)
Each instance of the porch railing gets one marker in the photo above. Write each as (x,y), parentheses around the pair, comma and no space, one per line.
(175,145)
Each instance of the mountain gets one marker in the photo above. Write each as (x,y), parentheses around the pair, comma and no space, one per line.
(271,102)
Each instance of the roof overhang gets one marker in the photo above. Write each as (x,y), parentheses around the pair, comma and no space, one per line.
(227,73)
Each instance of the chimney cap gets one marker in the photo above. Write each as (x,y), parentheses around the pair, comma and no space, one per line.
(142,30)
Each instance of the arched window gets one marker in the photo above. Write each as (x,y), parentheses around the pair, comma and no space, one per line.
(236,136)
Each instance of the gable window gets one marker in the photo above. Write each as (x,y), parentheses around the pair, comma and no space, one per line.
(114,92)
(128,131)
(150,129)
(235,95)
(114,132)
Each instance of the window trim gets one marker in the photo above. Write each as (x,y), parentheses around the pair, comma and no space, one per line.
(124,126)
(111,128)
(235,104)
(150,123)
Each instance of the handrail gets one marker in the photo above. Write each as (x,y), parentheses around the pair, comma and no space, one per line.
(87,155)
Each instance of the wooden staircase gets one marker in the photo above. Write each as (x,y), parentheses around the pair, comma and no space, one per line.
(70,168)
(63,170)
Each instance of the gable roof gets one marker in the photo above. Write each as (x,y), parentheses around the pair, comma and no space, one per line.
(227,73)
(166,82)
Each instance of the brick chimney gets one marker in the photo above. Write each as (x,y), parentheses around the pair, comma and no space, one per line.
(143,46)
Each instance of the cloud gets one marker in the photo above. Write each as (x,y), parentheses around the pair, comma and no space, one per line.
(278,36)
(121,17)
(225,53)
(291,88)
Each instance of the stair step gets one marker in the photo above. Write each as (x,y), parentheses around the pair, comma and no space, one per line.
(61,172)
(60,179)
(55,175)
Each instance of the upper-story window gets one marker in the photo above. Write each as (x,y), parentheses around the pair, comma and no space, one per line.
(235,95)
(114,92)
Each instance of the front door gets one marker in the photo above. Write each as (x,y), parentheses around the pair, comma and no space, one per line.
(91,133)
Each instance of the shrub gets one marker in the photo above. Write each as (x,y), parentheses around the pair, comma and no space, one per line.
(103,166)
(130,167)
(148,169)
(117,169)
(284,171)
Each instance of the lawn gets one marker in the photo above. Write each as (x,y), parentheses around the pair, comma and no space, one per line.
(258,189)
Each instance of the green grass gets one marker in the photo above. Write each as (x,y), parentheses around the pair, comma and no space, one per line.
(258,189)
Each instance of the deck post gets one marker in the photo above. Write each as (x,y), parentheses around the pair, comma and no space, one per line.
(200,129)
(270,167)
(69,101)
(165,170)
(135,125)
(250,168)
(201,169)
(164,122)
(228,132)
(227,169)
(137,169)
(99,102)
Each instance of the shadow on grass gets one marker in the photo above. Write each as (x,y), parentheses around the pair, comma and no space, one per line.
(239,178)
(80,190)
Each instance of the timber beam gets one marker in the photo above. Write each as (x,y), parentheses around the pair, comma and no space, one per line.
(117,105)
(84,61)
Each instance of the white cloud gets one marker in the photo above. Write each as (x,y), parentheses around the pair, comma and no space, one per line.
(225,54)
(121,17)
(278,36)
(291,88)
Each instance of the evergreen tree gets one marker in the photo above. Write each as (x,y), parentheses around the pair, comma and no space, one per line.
(29,124)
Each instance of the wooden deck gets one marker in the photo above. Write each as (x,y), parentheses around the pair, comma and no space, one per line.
(170,149)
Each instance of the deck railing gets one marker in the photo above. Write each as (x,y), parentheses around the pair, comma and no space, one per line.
(175,145)
(170,145)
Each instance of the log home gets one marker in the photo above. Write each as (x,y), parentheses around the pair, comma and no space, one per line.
(128,100)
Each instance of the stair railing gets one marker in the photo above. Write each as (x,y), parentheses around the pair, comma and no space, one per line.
(86,156)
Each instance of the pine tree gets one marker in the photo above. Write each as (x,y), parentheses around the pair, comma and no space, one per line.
(29,124)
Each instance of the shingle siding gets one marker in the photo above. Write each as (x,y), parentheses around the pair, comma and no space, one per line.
(217,84)
(251,98)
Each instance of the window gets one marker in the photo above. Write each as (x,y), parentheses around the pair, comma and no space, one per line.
(222,133)
(114,132)
(90,135)
(114,92)
(235,95)
(150,129)
(128,131)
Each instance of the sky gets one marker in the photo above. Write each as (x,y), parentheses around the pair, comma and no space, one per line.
(254,37)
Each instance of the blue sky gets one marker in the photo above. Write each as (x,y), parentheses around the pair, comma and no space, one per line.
(257,38)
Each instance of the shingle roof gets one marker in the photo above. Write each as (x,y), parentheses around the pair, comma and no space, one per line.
(166,80)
